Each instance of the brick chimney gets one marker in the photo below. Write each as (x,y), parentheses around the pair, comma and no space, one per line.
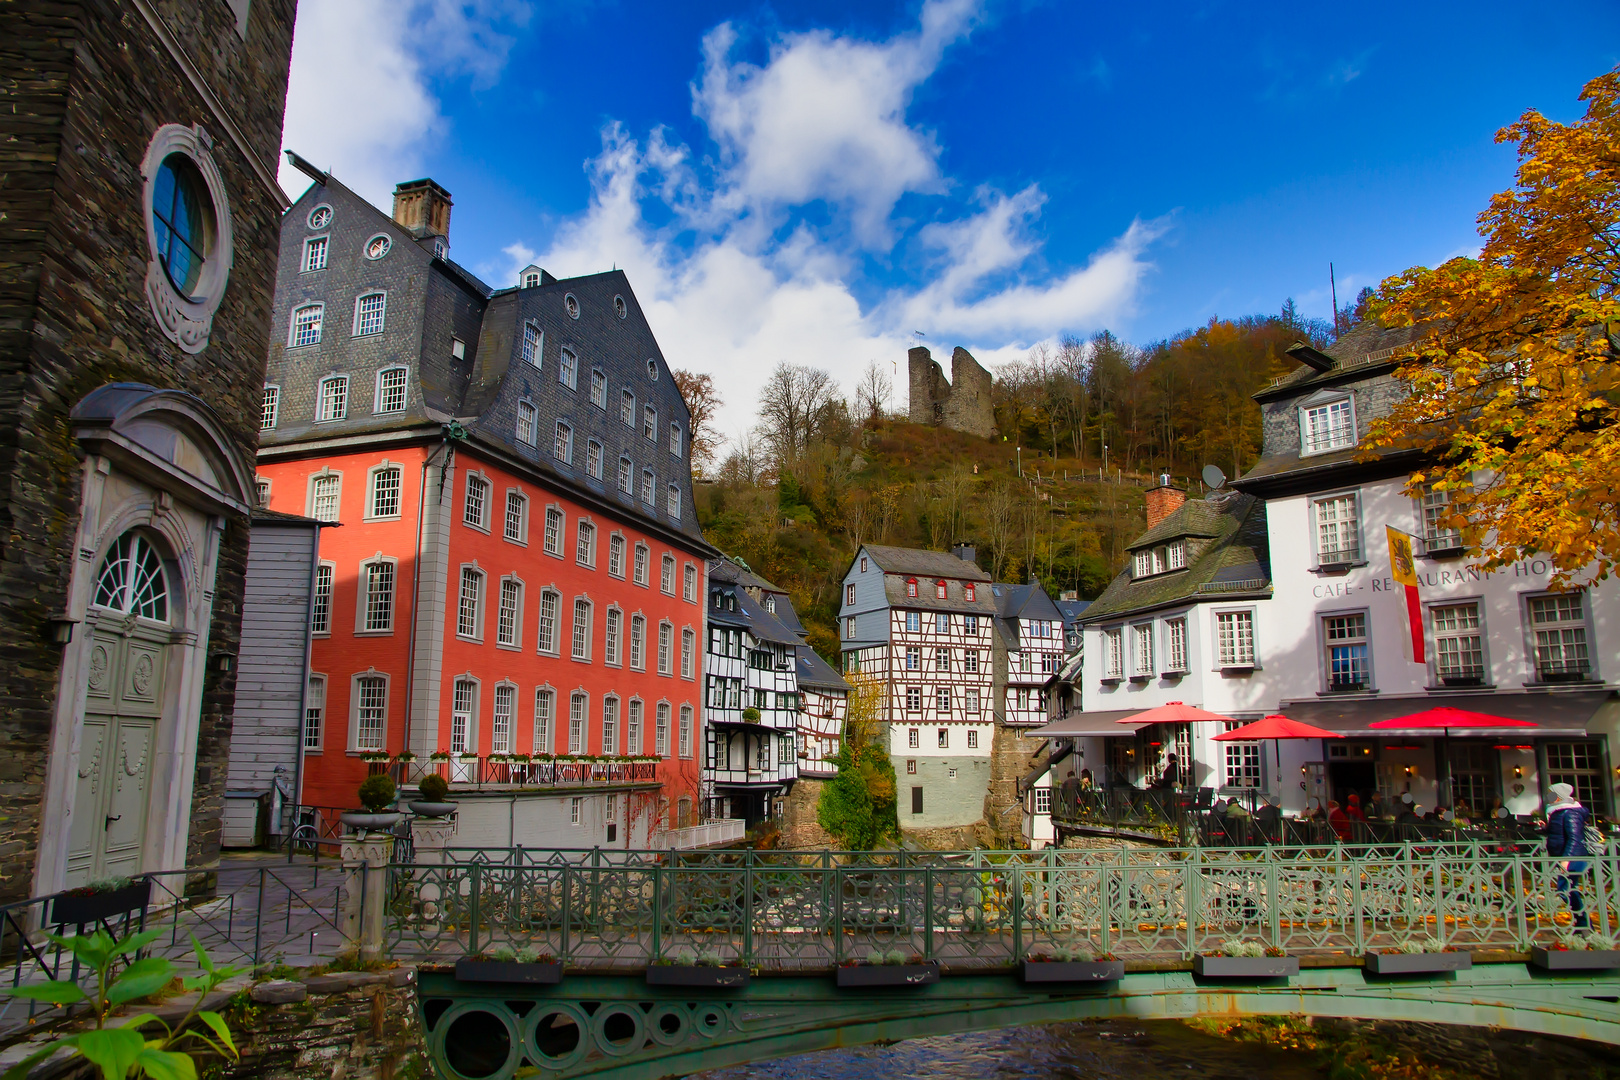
(1162,501)
(422,208)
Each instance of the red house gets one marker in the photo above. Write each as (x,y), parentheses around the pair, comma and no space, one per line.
(514,598)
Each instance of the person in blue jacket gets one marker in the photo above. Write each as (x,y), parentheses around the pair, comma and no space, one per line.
(1566,839)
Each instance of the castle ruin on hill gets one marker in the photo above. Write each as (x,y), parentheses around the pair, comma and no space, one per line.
(962,404)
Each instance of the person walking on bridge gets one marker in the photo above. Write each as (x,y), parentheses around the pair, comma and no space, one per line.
(1566,839)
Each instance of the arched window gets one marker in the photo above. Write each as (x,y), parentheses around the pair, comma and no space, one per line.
(582,629)
(672,502)
(531,344)
(132,580)
(610,725)
(334,398)
(306,326)
(463,707)
(368,314)
(391,390)
(500,726)
(385,492)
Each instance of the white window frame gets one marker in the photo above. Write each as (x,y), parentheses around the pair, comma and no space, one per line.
(1142,650)
(551,538)
(1326,627)
(1339,556)
(1237,660)
(616,550)
(688,653)
(568,367)
(581,631)
(320,613)
(362,607)
(502,741)
(627,476)
(594,456)
(382,314)
(579,727)
(520,536)
(355,743)
(325,415)
(534,354)
(638,642)
(1113,652)
(641,565)
(379,401)
(1532,642)
(1437,635)
(314,709)
(627,408)
(545,718)
(666,574)
(562,445)
(315,482)
(319,324)
(549,595)
(613,636)
(666,647)
(685,733)
(1334,438)
(476,479)
(471,572)
(649,423)
(325,249)
(585,543)
(509,632)
(635,726)
(1175,645)
(610,723)
(270,408)
(672,501)
(526,429)
(599,381)
(689,583)
(375,473)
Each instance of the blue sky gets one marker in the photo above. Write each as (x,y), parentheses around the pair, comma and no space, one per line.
(813,182)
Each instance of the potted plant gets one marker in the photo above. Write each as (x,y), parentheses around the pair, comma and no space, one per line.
(1577,952)
(1072,963)
(697,967)
(1420,956)
(892,968)
(504,964)
(751,715)
(435,791)
(439,755)
(376,795)
(101,900)
(1238,959)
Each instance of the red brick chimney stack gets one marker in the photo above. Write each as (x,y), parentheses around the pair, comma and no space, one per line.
(1164,500)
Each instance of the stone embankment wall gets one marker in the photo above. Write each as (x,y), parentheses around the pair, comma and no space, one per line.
(344,1026)
(800,829)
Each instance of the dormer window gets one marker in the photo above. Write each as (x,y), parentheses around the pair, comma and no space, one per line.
(1160,560)
(531,280)
(968,588)
(911,588)
(939,590)
(1327,425)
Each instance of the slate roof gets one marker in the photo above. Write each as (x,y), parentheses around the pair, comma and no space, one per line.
(1236,563)
(1015,602)
(814,671)
(923,563)
(1195,517)
(725,577)
(1072,610)
(1351,351)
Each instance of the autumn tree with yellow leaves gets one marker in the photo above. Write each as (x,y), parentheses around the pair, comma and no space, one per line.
(1515,382)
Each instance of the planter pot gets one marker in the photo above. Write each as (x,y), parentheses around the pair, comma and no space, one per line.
(363,821)
(889,974)
(433,809)
(719,978)
(1572,959)
(1394,963)
(1073,971)
(78,910)
(508,971)
(1245,967)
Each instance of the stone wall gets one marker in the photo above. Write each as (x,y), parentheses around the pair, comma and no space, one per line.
(347,1026)
(87,85)
(964,403)
(800,829)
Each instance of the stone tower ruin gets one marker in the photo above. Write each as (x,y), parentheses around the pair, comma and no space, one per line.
(962,404)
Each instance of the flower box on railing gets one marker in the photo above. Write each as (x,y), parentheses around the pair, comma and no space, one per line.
(1427,963)
(1073,971)
(889,974)
(1245,967)
(476,969)
(1556,959)
(81,907)
(694,975)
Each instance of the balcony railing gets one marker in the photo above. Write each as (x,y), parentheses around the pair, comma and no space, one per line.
(519,770)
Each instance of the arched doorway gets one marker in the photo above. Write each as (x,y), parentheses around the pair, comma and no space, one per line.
(129,630)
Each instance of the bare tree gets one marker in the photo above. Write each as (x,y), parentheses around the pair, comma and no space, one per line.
(872,393)
(1000,510)
(703,402)
(793,403)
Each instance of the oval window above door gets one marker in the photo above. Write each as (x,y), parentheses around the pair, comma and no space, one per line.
(132,580)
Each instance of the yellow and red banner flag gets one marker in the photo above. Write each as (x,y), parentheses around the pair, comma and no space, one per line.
(1404,570)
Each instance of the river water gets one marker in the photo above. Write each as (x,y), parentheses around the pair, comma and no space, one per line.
(1150,1050)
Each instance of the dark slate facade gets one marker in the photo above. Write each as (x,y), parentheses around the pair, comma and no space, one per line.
(89,86)
(435,308)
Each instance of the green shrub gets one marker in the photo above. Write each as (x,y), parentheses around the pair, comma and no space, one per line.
(751,715)
(377,792)
(434,788)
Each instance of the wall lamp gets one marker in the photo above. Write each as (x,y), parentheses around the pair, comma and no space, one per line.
(224,662)
(59,626)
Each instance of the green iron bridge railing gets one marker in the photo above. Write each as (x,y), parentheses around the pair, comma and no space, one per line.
(622,926)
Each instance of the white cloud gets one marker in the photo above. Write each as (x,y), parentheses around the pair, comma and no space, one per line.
(358,102)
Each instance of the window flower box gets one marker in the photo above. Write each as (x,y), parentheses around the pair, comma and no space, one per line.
(1245,967)
(1425,963)
(88,905)
(1557,959)
(698,975)
(480,969)
(920,974)
(1073,971)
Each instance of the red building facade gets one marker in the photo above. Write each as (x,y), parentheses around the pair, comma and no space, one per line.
(501,606)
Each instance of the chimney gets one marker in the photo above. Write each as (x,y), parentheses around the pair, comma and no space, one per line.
(1162,501)
(422,208)
(966,552)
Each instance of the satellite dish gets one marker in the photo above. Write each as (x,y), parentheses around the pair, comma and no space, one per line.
(1213,477)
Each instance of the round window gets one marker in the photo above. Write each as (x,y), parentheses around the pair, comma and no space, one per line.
(620,308)
(652,370)
(320,217)
(378,246)
(571,306)
(182,222)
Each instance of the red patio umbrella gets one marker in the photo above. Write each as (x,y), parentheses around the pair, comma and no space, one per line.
(1173,712)
(1443,718)
(1276,727)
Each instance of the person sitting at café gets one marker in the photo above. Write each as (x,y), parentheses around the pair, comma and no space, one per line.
(1236,810)
(1409,814)
(1375,808)
(1086,783)
(1353,810)
(1171,776)
(1338,820)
